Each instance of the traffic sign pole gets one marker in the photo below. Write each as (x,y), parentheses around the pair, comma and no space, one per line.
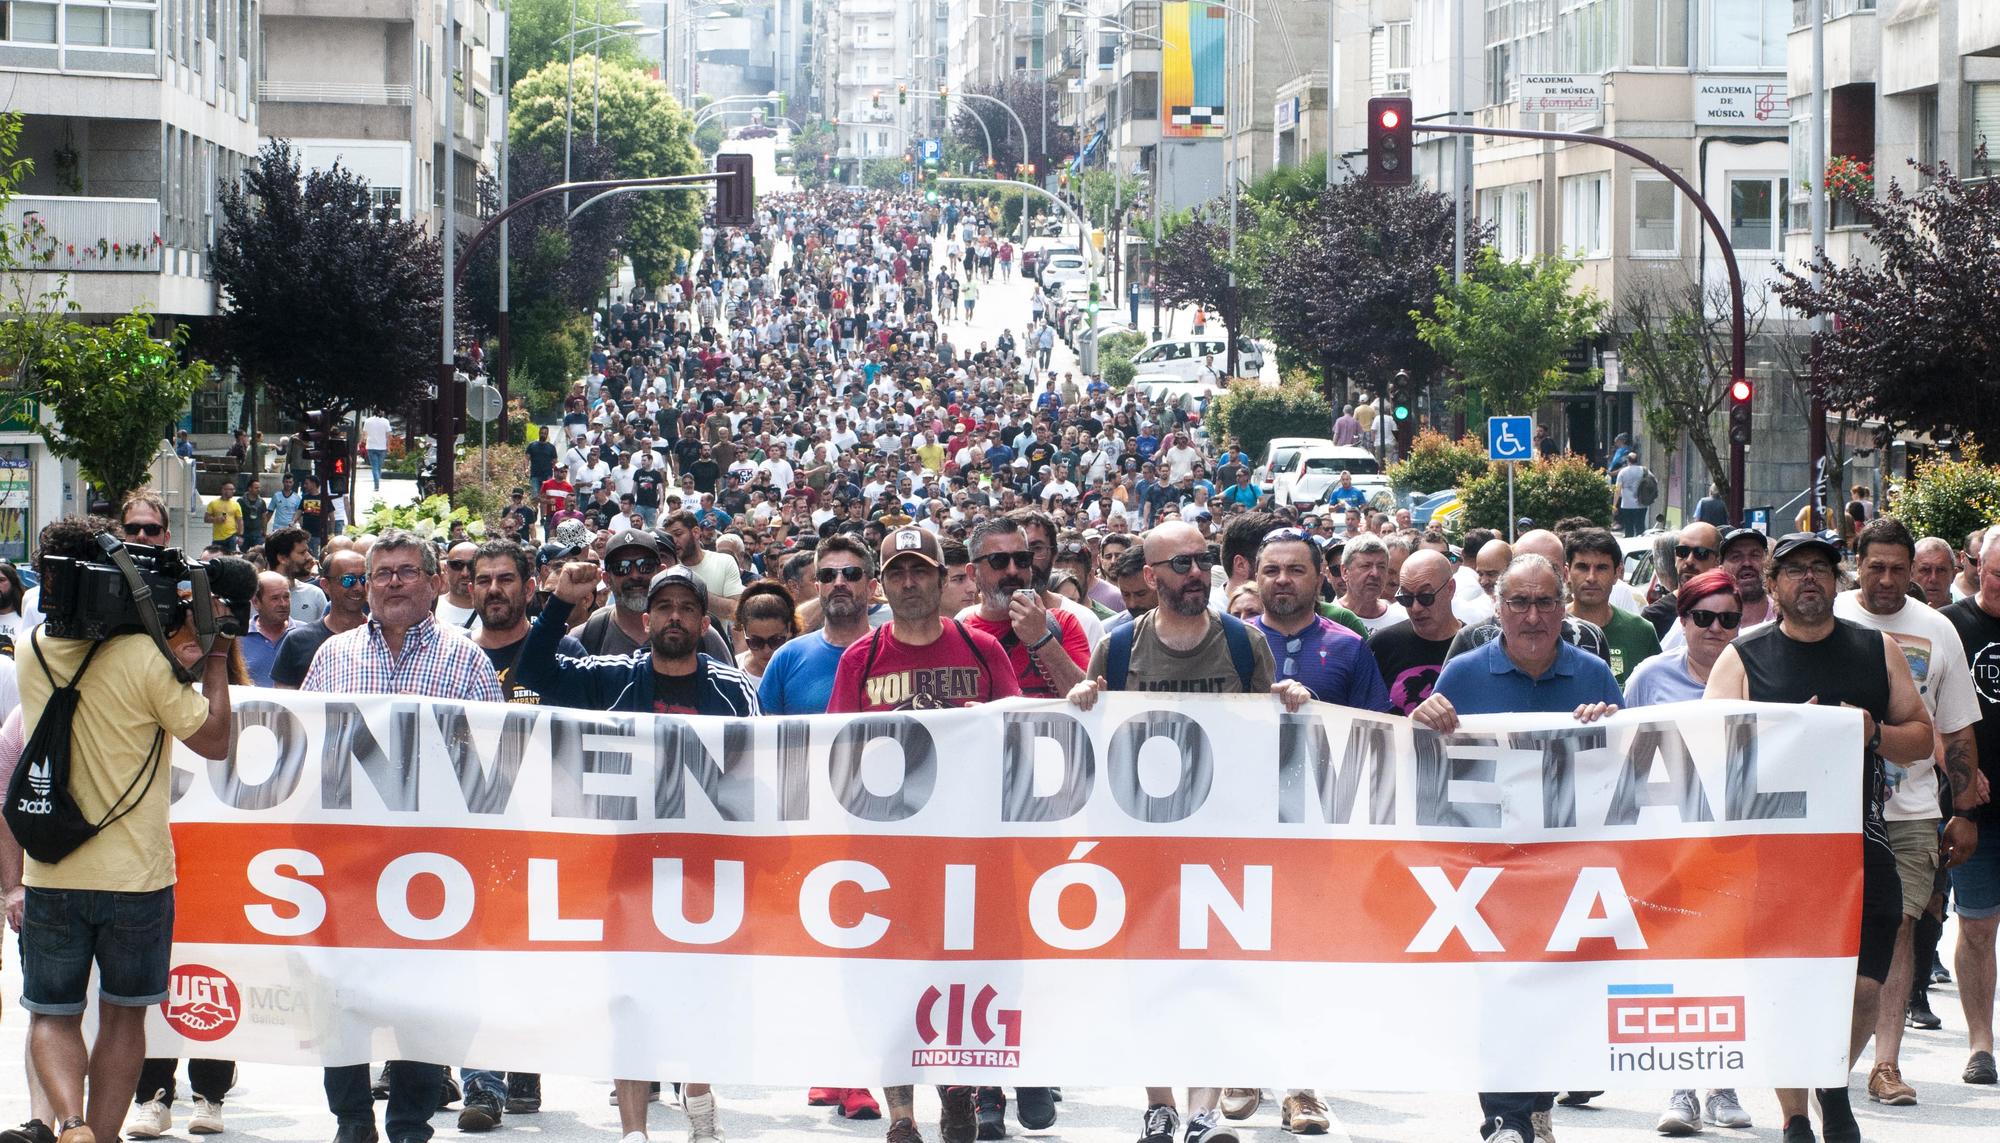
(1510,503)
(1510,440)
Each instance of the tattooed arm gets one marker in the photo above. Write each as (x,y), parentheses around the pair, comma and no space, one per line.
(1961,768)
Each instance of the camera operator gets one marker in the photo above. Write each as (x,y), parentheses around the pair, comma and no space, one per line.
(111,901)
(143,520)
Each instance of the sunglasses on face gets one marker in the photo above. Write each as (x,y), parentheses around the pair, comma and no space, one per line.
(998,561)
(763,643)
(458,565)
(851,575)
(644,565)
(1182,565)
(1703,618)
(1426,598)
(1683,551)
(145,530)
(352,580)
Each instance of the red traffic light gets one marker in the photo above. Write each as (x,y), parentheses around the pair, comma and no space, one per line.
(1739,389)
(1391,118)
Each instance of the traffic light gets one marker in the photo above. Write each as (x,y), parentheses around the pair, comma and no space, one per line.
(335,480)
(736,192)
(1096,295)
(1740,394)
(315,437)
(944,98)
(903,94)
(875,98)
(1389,141)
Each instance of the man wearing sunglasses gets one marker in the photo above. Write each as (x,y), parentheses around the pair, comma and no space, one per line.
(1745,552)
(456,607)
(799,679)
(1697,549)
(1811,655)
(1884,551)
(344,578)
(143,520)
(1411,653)
(1045,645)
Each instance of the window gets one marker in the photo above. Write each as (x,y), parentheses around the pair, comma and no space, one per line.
(1586,36)
(1139,98)
(1927,129)
(86,27)
(1499,73)
(1511,210)
(1985,129)
(28,23)
(131,27)
(1656,217)
(1747,33)
(1754,203)
(1659,33)
(1389,58)
(1586,204)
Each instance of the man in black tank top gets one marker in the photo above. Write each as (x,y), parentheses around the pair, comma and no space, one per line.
(1809,656)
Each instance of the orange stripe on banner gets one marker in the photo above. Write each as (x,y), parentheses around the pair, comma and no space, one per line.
(1353,901)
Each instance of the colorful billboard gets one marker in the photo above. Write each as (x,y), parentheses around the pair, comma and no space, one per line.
(1193,69)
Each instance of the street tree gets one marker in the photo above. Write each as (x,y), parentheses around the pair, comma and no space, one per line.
(1507,330)
(535,31)
(556,268)
(333,303)
(1673,347)
(1191,267)
(1357,263)
(1036,102)
(1914,337)
(645,133)
(111,392)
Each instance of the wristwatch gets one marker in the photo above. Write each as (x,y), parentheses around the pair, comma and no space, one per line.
(1042,642)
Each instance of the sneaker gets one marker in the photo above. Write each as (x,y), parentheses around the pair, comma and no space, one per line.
(990,1105)
(1208,1127)
(1979,1069)
(151,1119)
(957,1121)
(1939,973)
(1160,1124)
(33,1131)
(524,1093)
(1505,1135)
(452,1092)
(207,1117)
(75,1130)
(1798,1129)
(481,1112)
(1920,1014)
(856,1103)
(1885,1085)
(634,1137)
(702,1125)
(824,1096)
(1682,1116)
(1241,1102)
(1724,1110)
(1836,1116)
(1545,1126)
(1578,1098)
(1035,1107)
(905,1131)
(1303,1114)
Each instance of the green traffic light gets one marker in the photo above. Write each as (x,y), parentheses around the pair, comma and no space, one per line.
(1402,412)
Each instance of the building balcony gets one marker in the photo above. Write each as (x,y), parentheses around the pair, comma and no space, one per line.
(365,94)
(89,235)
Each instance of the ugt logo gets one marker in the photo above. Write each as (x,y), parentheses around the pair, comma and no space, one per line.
(202,1002)
(986,1026)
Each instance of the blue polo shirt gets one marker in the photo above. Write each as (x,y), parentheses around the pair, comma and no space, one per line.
(799,679)
(1486,681)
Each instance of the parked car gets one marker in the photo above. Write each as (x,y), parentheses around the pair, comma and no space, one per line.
(1423,510)
(1277,454)
(1064,267)
(1313,473)
(1181,357)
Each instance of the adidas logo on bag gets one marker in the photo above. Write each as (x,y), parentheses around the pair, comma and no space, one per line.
(38,780)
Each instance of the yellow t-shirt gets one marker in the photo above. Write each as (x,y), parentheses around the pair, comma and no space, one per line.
(227,516)
(931,456)
(128,692)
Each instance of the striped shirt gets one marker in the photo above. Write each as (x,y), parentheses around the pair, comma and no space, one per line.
(436,661)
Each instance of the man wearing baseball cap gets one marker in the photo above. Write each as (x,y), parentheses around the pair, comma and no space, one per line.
(1745,552)
(667,675)
(920,661)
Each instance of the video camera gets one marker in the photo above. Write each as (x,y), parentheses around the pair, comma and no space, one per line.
(138,588)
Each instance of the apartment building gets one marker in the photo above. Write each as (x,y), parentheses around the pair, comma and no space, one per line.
(861,50)
(132,112)
(362,82)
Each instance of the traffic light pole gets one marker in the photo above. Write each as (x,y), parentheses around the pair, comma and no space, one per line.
(450,402)
(1715,227)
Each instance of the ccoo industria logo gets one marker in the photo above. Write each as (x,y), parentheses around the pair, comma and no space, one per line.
(1653,1030)
(948,1045)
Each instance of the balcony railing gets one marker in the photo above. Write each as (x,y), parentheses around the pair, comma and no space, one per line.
(296,91)
(74,234)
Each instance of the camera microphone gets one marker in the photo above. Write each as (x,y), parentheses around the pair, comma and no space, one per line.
(233,580)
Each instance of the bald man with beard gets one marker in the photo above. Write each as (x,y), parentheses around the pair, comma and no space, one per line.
(1581,632)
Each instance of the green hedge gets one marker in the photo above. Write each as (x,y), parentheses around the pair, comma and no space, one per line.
(1948,498)
(1255,414)
(1436,463)
(1545,491)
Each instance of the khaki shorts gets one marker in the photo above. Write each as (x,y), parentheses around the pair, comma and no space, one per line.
(1916,847)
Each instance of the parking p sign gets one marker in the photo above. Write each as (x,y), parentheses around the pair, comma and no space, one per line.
(1510,438)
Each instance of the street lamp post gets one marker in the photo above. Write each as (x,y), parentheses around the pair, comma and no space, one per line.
(569,84)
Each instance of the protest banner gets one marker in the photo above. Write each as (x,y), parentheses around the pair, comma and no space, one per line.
(1025,893)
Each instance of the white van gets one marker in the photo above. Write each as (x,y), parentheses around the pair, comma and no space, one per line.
(1180,358)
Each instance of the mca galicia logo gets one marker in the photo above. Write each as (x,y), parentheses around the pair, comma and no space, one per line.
(947,1046)
(1678,1033)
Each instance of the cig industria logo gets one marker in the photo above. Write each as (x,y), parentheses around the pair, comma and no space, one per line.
(945,1018)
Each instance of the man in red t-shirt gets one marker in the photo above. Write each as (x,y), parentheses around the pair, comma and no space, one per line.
(919,661)
(1048,649)
(557,488)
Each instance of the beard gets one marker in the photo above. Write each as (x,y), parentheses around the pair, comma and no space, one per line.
(1189,601)
(674,643)
(501,614)
(1003,592)
(633,598)
(843,606)
(1813,609)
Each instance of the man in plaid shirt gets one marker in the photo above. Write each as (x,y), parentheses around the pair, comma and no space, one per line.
(401,650)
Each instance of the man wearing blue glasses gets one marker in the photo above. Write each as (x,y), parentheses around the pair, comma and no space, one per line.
(344,578)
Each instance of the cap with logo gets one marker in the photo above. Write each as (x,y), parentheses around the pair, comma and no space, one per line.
(917,543)
(682,575)
(632,538)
